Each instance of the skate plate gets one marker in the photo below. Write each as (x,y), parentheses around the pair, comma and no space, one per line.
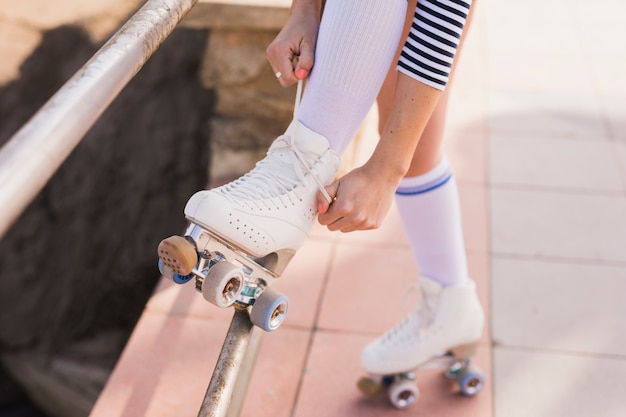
(226,275)
(401,388)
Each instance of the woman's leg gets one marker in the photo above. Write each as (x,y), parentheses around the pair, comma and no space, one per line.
(427,198)
(448,315)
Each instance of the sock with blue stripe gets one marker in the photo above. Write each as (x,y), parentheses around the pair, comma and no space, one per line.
(430,211)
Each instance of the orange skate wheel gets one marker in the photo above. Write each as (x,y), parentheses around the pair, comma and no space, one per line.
(369,386)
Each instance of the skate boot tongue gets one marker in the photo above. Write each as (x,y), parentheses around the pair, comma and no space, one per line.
(301,142)
(292,158)
(422,316)
(296,164)
(306,140)
(303,149)
(429,299)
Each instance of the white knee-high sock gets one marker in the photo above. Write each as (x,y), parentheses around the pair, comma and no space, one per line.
(355,47)
(430,210)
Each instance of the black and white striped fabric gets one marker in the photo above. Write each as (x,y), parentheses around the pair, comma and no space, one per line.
(433,40)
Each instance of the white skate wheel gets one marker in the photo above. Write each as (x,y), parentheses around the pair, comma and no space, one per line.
(223,284)
(269,310)
(403,393)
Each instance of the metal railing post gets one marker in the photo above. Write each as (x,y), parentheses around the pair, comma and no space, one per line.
(36,151)
(226,391)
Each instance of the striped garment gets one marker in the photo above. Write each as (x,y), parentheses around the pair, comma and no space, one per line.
(434,37)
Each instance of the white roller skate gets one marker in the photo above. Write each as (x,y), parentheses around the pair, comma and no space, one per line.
(242,235)
(442,332)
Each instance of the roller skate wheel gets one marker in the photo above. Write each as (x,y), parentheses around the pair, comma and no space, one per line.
(369,386)
(181,279)
(403,393)
(471,382)
(167,272)
(269,310)
(179,254)
(223,284)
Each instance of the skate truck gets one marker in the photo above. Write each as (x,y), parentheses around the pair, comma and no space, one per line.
(401,388)
(226,275)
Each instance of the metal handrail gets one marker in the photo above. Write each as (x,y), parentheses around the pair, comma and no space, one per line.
(226,391)
(37,150)
(33,154)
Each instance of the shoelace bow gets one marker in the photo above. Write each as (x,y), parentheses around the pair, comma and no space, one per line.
(268,178)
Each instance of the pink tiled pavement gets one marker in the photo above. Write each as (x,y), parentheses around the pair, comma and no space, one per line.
(164,369)
(343,290)
(329,388)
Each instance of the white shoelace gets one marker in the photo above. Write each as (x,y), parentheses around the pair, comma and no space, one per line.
(268,178)
(411,326)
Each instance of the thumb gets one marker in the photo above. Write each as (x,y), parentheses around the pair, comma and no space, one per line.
(322,203)
(305,61)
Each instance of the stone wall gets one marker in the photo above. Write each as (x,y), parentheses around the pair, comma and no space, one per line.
(251,108)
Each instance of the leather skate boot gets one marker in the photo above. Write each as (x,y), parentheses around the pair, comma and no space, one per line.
(445,320)
(272,208)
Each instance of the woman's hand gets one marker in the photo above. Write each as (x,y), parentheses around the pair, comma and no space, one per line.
(361,200)
(292,52)
(362,197)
